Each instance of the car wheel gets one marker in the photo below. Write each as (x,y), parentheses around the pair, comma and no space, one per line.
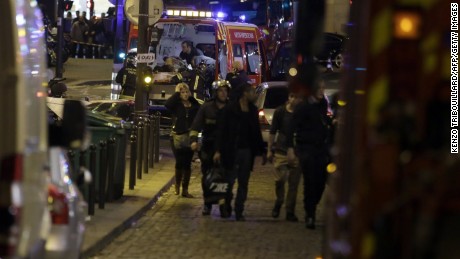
(338,61)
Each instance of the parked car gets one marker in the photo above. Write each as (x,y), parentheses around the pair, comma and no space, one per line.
(333,47)
(66,204)
(24,215)
(271,95)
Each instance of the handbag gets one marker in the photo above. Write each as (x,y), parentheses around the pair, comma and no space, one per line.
(181,140)
(216,185)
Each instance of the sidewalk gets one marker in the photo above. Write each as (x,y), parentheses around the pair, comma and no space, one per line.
(108,223)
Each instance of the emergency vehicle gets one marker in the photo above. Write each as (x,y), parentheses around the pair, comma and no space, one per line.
(219,43)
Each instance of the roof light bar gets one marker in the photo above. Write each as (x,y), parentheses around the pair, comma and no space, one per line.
(192,13)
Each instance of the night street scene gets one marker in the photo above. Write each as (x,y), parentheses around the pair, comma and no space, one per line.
(304,129)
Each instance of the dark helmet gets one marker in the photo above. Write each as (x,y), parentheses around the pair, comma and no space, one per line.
(218,84)
(58,90)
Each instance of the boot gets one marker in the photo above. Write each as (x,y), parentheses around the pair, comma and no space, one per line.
(310,223)
(185,183)
(276,210)
(178,181)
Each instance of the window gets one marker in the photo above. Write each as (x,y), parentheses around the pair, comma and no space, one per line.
(281,62)
(209,50)
(237,51)
(253,58)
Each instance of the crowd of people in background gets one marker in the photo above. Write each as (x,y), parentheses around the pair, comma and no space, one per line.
(90,35)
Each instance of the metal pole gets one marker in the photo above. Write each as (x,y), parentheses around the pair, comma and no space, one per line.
(145,146)
(111,167)
(71,156)
(60,39)
(92,169)
(132,160)
(157,137)
(152,141)
(140,131)
(142,48)
(102,173)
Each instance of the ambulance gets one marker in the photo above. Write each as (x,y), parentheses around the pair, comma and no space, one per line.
(220,44)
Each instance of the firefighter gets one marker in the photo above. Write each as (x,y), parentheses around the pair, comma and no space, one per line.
(127,75)
(205,122)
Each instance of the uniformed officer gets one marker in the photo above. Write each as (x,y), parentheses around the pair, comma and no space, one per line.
(127,75)
(205,121)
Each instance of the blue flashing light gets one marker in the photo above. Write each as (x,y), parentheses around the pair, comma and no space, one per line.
(243,17)
(122,55)
(220,15)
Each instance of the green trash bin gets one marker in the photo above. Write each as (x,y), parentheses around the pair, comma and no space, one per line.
(102,128)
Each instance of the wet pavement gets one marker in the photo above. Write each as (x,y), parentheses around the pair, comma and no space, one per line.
(175,228)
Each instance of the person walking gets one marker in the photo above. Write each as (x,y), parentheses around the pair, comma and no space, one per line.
(184,109)
(310,130)
(206,122)
(278,154)
(239,140)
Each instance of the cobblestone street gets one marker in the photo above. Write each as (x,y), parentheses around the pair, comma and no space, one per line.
(175,228)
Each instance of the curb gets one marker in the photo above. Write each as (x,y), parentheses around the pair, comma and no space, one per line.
(107,239)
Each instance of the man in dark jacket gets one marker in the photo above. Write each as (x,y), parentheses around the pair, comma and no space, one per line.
(188,52)
(239,140)
(309,131)
(206,121)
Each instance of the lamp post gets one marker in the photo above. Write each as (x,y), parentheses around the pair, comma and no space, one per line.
(141,98)
(60,39)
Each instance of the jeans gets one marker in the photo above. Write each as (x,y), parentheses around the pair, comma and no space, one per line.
(242,172)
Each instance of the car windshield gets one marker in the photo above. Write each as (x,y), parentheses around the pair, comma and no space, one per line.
(275,97)
(281,62)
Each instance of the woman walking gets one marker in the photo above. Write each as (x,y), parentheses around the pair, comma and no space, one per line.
(183,108)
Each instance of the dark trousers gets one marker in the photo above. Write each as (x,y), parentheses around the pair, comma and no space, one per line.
(313,166)
(183,165)
(242,172)
(206,157)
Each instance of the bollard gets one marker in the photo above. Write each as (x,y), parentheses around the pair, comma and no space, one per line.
(157,136)
(102,173)
(111,167)
(71,156)
(145,145)
(92,169)
(93,52)
(140,144)
(132,160)
(152,141)
(82,158)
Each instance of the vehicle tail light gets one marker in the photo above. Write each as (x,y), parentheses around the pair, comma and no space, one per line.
(262,119)
(58,204)
(10,203)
